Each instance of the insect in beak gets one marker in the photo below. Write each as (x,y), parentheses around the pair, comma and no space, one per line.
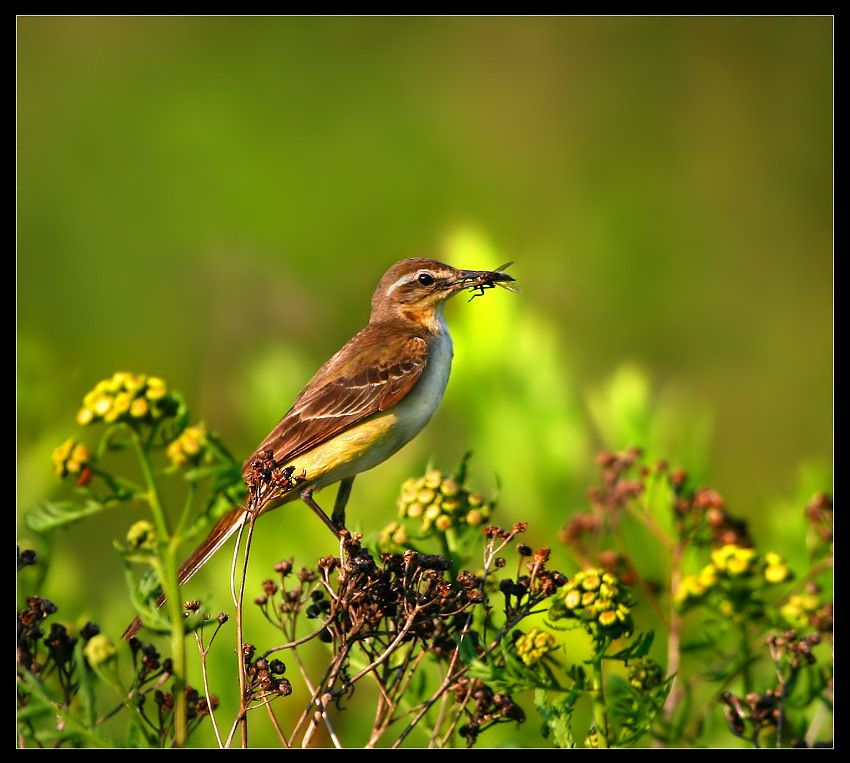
(479,280)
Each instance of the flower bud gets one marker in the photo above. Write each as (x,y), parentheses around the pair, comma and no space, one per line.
(99,650)
(141,535)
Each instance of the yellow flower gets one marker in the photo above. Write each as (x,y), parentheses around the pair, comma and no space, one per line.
(85,416)
(572,599)
(475,517)
(432,512)
(532,646)
(440,502)
(776,570)
(607,618)
(475,500)
(101,405)
(399,537)
(591,581)
(443,522)
(708,576)
(139,408)
(691,587)
(449,488)
(71,457)
(426,496)
(188,447)
(733,560)
(798,609)
(156,388)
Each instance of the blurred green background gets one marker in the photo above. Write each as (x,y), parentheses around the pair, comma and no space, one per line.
(213,200)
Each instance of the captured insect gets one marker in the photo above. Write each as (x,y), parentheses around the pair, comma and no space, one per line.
(497,278)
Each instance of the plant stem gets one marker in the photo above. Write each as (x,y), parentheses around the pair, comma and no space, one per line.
(170,583)
(746,675)
(598,695)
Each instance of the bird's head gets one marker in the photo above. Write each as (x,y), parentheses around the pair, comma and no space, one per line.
(416,289)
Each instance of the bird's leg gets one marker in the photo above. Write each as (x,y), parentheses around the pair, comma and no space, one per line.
(307,497)
(342,494)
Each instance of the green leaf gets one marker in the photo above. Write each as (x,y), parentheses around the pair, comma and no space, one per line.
(52,515)
(556,713)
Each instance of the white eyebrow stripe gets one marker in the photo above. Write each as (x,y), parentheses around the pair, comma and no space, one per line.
(402,280)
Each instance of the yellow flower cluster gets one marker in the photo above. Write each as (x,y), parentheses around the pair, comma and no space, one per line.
(799,608)
(393,535)
(730,564)
(438,501)
(532,646)
(775,569)
(734,561)
(645,674)
(189,447)
(598,599)
(126,397)
(71,457)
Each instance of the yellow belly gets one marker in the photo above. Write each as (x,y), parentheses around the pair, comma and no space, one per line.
(355,450)
(367,444)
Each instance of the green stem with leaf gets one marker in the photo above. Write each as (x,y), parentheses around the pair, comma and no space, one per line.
(597,694)
(171,587)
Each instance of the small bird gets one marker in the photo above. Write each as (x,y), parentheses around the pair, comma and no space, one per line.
(370,399)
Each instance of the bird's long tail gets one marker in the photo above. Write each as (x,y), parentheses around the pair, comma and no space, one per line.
(224,528)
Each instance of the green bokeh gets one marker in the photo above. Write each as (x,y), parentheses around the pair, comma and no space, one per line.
(212,200)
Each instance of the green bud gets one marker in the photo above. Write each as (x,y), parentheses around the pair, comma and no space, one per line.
(141,534)
(99,650)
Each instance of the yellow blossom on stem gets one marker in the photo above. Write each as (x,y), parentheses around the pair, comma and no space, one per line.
(532,646)
(71,457)
(733,560)
(133,398)
(775,571)
(189,447)
(441,502)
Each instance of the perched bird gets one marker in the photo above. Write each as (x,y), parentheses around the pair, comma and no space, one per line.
(371,398)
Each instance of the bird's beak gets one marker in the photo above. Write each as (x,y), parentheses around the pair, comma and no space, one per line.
(479,279)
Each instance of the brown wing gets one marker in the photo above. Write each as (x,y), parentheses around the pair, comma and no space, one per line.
(371,373)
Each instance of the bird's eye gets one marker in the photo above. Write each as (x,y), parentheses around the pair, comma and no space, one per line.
(425,279)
